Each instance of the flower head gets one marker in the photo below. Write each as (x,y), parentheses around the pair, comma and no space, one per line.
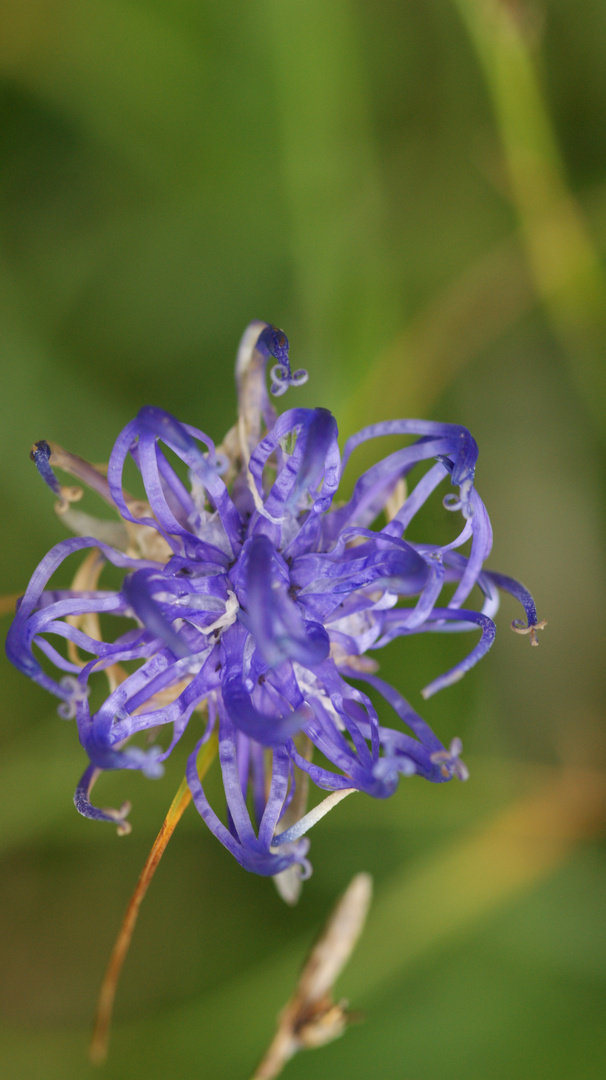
(251,595)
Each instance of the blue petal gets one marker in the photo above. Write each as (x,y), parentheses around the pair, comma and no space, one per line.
(40,455)
(84,806)
(280,631)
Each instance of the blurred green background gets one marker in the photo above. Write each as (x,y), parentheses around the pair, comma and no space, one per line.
(416,192)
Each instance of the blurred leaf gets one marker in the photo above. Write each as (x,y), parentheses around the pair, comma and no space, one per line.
(119,70)
(450,332)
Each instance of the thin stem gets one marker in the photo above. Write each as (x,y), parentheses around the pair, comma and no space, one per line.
(100,1037)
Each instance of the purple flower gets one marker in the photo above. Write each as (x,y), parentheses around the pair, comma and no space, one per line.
(252,596)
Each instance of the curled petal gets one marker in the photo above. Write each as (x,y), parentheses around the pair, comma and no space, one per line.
(138,594)
(521,593)
(456,673)
(280,631)
(253,855)
(84,806)
(259,343)
(314,463)
(273,342)
(21,634)
(266,729)
(462,446)
(163,487)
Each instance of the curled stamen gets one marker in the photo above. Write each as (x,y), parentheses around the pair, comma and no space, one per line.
(273,342)
(450,762)
(75,694)
(462,501)
(282,378)
(519,628)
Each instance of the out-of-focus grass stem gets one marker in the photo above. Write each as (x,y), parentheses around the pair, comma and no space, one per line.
(466,316)
(494,862)
(568,275)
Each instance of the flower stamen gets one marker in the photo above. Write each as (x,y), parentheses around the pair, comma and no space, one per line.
(519,627)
